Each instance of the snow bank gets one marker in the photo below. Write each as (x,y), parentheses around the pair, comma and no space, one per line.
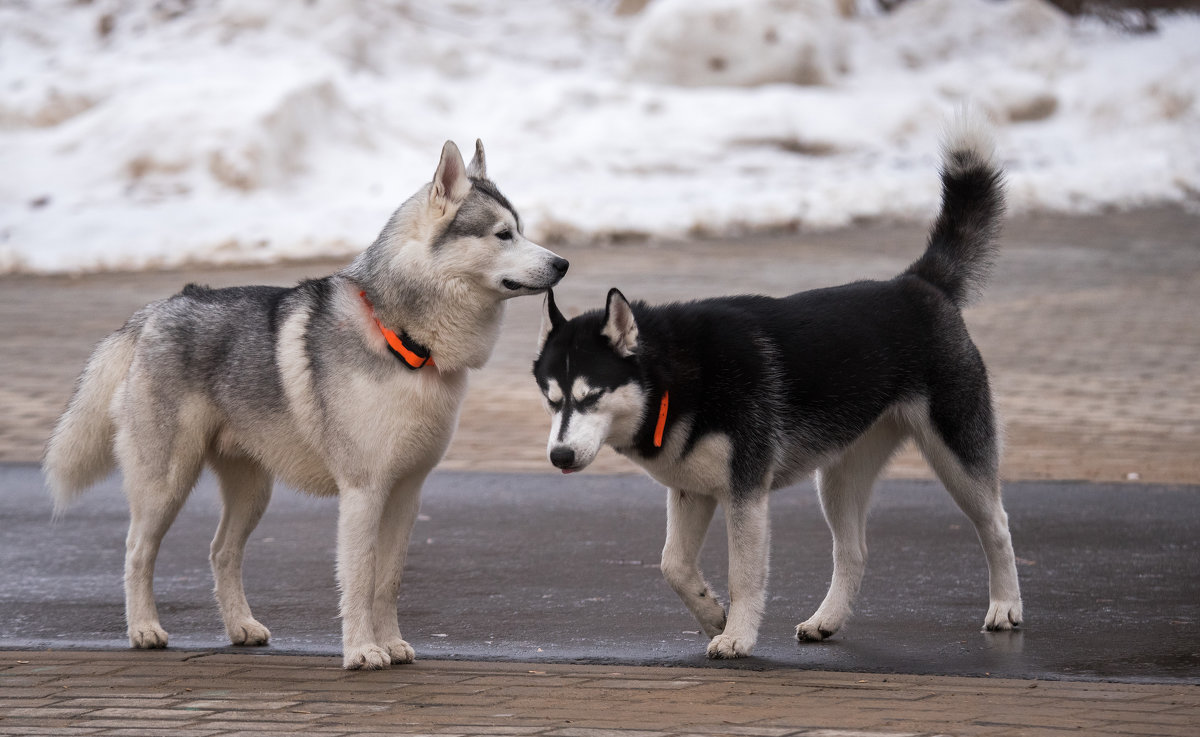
(137,135)
(737,42)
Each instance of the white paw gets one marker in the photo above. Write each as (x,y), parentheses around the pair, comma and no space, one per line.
(400,651)
(367,657)
(147,636)
(727,646)
(1003,615)
(249,632)
(816,629)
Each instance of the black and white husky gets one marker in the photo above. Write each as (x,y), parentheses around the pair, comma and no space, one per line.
(347,385)
(724,400)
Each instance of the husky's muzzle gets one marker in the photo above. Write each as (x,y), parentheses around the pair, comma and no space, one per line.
(557,270)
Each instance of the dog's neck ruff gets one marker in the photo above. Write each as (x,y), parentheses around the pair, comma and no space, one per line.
(408,351)
(661,425)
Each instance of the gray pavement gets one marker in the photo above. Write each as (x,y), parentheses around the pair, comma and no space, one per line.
(540,568)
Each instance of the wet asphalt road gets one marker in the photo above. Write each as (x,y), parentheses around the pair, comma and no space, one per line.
(543,568)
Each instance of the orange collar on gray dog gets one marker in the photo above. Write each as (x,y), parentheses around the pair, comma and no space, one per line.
(411,353)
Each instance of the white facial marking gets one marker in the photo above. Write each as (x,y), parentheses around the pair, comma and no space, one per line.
(614,419)
(554,392)
(581,390)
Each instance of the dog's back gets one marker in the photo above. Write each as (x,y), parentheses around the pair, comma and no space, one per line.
(214,346)
(795,379)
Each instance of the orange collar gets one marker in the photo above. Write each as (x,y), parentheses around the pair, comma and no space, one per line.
(411,353)
(662,420)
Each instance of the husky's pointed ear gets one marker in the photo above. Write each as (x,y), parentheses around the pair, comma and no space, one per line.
(619,326)
(551,319)
(450,183)
(478,166)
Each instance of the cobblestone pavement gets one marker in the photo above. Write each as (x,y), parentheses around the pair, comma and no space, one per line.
(183,694)
(1090,329)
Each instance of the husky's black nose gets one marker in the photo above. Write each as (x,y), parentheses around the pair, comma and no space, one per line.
(562,457)
(560,265)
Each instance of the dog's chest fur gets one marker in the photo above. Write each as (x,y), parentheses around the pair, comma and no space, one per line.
(704,469)
(357,415)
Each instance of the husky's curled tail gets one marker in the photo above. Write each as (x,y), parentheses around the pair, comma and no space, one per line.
(962,243)
(80,451)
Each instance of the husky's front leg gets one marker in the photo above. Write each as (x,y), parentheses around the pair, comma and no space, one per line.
(395,527)
(688,518)
(749,530)
(359,514)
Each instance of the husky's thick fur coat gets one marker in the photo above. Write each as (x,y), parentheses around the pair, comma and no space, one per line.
(347,385)
(724,400)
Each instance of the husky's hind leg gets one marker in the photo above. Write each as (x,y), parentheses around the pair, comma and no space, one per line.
(395,526)
(245,493)
(962,445)
(844,487)
(160,472)
(688,518)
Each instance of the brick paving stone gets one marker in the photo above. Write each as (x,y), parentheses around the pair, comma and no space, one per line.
(236,726)
(148,713)
(48,712)
(748,731)
(585,732)
(640,684)
(30,730)
(288,716)
(582,697)
(107,724)
(18,681)
(494,729)
(162,732)
(1177,718)
(334,707)
(241,704)
(532,680)
(7,703)
(1158,730)
(118,702)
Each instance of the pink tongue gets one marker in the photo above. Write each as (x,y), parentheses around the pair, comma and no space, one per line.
(568,470)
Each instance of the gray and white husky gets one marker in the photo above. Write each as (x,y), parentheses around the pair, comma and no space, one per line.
(724,400)
(348,385)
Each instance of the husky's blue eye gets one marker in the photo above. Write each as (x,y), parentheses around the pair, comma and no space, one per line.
(505,235)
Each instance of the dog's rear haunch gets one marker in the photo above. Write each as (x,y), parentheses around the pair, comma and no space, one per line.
(724,400)
(348,385)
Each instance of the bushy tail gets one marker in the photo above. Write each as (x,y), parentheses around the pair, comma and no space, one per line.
(962,242)
(80,451)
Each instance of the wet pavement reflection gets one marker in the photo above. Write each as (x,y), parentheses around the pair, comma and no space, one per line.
(542,568)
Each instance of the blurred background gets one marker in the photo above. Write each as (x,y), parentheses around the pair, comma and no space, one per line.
(141,134)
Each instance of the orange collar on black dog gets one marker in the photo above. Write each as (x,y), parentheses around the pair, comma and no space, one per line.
(662,420)
(411,353)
